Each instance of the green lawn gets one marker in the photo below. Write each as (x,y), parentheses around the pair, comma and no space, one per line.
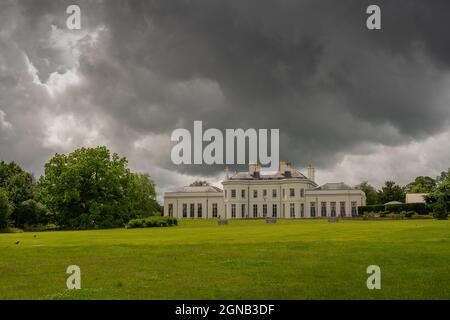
(293,259)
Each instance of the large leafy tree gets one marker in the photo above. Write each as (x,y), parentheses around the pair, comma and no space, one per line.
(391,192)
(143,195)
(442,188)
(370,191)
(16,182)
(89,188)
(422,184)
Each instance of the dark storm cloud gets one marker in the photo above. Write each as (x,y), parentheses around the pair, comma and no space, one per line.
(309,68)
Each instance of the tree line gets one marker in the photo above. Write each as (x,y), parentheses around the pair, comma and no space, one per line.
(437,192)
(88,188)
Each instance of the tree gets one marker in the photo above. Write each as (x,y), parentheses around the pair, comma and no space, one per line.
(422,184)
(370,191)
(5,209)
(199,183)
(440,209)
(31,213)
(143,195)
(89,188)
(391,192)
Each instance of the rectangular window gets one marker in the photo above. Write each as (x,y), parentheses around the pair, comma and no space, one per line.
(243,210)
(302,193)
(292,192)
(233,211)
(199,210)
(265,193)
(255,211)
(274,210)
(323,209)
(274,193)
(214,210)
(184,210)
(264,210)
(292,210)
(192,210)
(226,194)
(302,210)
(243,193)
(255,193)
(284,193)
(170,210)
(233,193)
(313,209)
(354,209)
(333,209)
(342,211)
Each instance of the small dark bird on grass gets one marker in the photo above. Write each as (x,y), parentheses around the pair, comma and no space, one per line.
(17,242)
(35,236)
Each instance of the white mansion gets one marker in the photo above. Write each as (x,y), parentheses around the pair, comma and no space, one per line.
(286,193)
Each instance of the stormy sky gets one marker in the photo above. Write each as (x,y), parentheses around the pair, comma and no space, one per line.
(357,104)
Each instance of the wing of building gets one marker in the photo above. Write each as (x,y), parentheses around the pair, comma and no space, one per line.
(286,193)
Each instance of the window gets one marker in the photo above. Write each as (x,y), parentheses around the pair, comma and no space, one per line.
(284,193)
(333,209)
(313,209)
(199,210)
(302,210)
(264,210)
(184,210)
(274,193)
(302,193)
(233,211)
(243,210)
(274,210)
(342,211)
(323,209)
(225,194)
(292,192)
(255,211)
(255,193)
(243,193)
(265,193)
(214,210)
(292,210)
(192,210)
(233,193)
(170,210)
(354,209)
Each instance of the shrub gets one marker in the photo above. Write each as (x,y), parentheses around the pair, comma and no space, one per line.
(372,208)
(409,214)
(152,222)
(402,215)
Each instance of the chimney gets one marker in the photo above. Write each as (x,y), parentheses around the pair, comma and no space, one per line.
(311,173)
(285,168)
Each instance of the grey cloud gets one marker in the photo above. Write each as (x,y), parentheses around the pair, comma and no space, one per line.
(309,68)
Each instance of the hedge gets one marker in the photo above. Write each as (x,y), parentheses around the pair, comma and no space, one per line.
(420,208)
(152,222)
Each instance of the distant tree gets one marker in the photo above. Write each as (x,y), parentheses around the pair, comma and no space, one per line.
(143,195)
(199,183)
(5,209)
(89,188)
(16,182)
(370,191)
(422,184)
(440,209)
(391,192)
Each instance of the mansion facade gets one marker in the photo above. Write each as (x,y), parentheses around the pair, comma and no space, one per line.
(286,193)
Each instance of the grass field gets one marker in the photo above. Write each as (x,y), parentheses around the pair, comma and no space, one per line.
(293,259)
